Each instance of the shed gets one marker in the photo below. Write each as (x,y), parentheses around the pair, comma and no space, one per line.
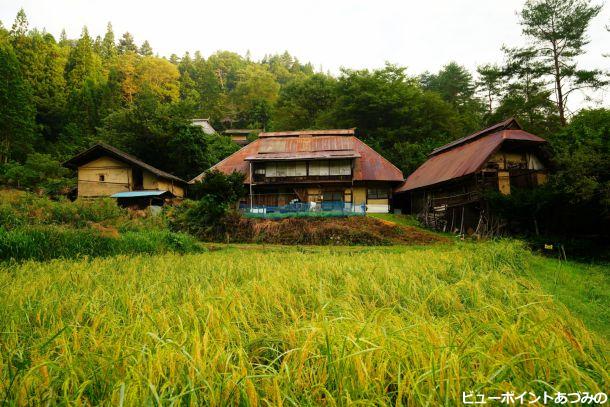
(104,170)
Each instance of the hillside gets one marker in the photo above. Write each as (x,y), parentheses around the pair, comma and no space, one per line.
(292,325)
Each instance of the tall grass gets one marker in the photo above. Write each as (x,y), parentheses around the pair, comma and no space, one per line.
(19,209)
(289,326)
(51,242)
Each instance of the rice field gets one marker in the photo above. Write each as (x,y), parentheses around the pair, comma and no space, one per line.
(255,325)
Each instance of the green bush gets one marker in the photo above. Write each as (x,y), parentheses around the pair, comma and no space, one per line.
(40,172)
(208,217)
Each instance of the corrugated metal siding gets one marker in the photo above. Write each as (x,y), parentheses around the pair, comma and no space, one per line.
(304,144)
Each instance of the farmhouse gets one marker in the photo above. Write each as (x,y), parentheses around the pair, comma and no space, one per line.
(104,170)
(319,169)
(447,190)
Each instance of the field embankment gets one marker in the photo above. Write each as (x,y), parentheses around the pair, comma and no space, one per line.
(37,228)
(353,230)
(311,230)
(299,326)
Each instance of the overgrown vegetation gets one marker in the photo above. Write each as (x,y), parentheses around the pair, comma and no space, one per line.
(302,326)
(35,227)
(211,215)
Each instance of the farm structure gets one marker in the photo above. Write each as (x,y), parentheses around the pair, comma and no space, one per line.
(240,136)
(447,191)
(205,125)
(104,170)
(314,170)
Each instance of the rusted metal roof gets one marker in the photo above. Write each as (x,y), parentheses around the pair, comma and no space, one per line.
(507,124)
(106,149)
(301,144)
(323,144)
(304,155)
(464,159)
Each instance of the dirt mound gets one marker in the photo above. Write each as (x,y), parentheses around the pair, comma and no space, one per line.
(355,230)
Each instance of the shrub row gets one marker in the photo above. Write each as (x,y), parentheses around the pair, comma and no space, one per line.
(48,242)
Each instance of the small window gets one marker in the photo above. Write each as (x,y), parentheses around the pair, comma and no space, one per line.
(377,193)
(102,177)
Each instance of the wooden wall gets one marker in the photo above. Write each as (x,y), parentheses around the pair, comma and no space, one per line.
(117,177)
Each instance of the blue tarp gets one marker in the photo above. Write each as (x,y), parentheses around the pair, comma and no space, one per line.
(137,194)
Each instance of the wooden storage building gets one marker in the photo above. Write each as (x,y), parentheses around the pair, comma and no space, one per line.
(104,170)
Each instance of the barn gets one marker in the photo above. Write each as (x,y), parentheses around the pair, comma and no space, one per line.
(446,191)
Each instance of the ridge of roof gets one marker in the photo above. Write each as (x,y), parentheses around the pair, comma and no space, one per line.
(503,125)
(326,132)
(123,155)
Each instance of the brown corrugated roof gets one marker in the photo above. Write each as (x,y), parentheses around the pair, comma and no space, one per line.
(323,144)
(304,155)
(464,159)
(94,152)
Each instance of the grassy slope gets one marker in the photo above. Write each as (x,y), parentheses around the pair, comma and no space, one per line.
(404,220)
(300,325)
(583,288)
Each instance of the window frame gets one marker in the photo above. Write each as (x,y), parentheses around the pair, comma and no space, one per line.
(373,193)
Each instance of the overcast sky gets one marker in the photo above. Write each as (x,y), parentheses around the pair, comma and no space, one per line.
(422,35)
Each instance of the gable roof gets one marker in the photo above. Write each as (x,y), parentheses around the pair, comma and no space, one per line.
(311,145)
(464,158)
(101,149)
(204,124)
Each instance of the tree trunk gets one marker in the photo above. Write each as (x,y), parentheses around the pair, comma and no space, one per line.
(560,106)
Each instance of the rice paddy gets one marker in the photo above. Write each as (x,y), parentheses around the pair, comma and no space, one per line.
(259,325)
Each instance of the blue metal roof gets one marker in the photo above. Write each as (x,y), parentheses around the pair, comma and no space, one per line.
(135,194)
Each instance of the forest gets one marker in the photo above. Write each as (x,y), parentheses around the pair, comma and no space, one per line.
(60,95)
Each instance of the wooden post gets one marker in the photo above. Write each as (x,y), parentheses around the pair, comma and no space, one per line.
(462,222)
(251,187)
